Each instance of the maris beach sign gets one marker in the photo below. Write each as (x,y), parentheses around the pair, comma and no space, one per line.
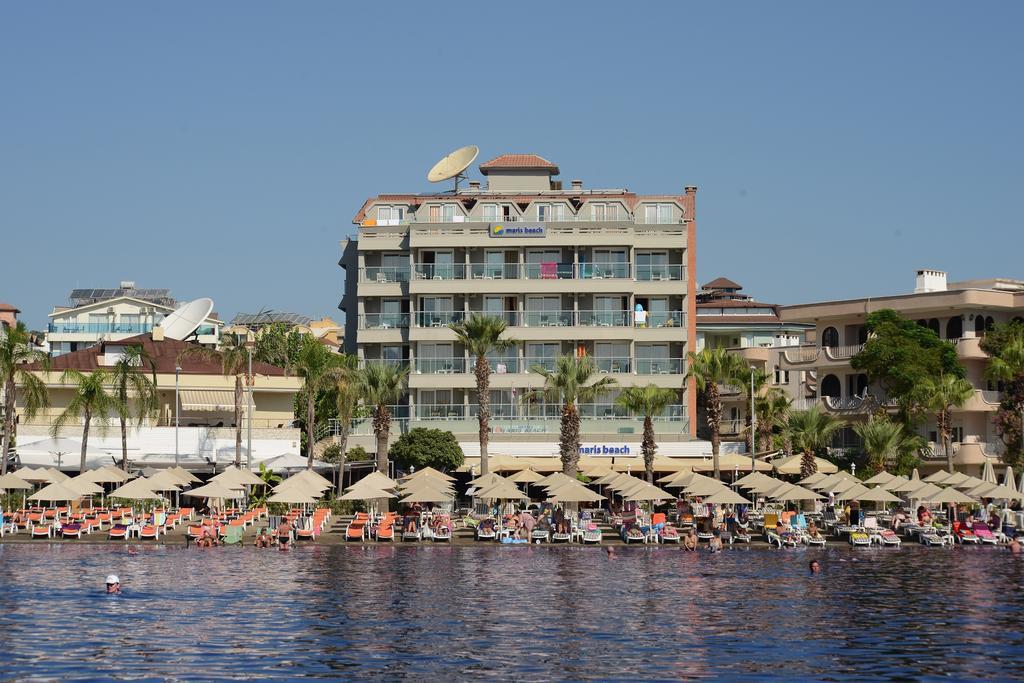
(605,449)
(518,230)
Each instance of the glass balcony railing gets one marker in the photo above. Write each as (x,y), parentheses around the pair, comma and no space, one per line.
(658,366)
(434,271)
(511,318)
(546,362)
(659,319)
(604,318)
(547,318)
(438,318)
(384,274)
(487,271)
(499,366)
(649,272)
(102,328)
(548,271)
(440,411)
(603,271)
(443,366)
(383,321)
(612,363)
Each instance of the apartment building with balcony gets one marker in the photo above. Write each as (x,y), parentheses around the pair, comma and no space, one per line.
(728,318)
(602,272)
(95,315)
(960,312)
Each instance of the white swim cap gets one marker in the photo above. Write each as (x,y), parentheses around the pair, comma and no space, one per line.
(112,578)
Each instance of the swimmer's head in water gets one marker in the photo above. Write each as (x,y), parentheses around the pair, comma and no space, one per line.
(814,567)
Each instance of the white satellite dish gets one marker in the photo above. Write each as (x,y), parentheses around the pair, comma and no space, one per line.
(453,165)
(187,318)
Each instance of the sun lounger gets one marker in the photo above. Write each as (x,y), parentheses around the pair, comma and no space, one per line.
(860,539)
(411,536)
(40,531)
(149,531)
(442,534)
(485,531)
(356,529)
(685,521)
(634,535)
(669,534)
(965,535)
(984,534)
(592,535)
(71,531)
(888,537)
(560,538)
(540,536)
(119,532)
(232,535)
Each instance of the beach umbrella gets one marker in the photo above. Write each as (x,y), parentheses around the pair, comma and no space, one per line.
(733,461)
(794,493)
(769,484)
(361,493)
(292,498)
(908,485)
(165,480)
(56,493)
(851,492)
(426,496)
(427,483)
(878,495)
(237,477)
(11,481)
(558,478)
(937,477)
(827,483)
(997,492)
(597,471)
(649,492)
(429,472)
(38,475)
(104,475)
(527,476)
(136,489)
(487,479)
(57,474)
(503,490)
(1020,487)
(574,494)
(726,497)
(753,479)
(704,488)
(893,483)
(187,476)
(792,465)
(1008,479)
(308,477)
(215,489)
(924,491)
(953,479)
(364,485)
(379,479)
(812,479)
(879,478)
(988,473)
(83,485)
(950,496)
(688,478)
(969,483)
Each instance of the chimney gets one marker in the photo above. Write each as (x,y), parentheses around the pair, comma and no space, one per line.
(158,333)
(930,281)
(577,185)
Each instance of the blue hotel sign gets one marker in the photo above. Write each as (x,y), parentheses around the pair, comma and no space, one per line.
(518,230)
(604,449)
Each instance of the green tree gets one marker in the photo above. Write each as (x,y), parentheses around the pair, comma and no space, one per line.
(279,345)
(900,354)
(347,409)
(811,431)
(481,335)
(15,355)
(710,368)
(381,385)
(884,442)
(270,480)
(420,447)
(233,357)
(649,401)
(92,400)
(571,382)
(321,370)
(940,395)
(134,391)
(772,409)
(1006,348)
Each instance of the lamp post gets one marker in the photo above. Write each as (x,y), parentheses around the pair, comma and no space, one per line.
(753,423)
(249,344)
(177,383)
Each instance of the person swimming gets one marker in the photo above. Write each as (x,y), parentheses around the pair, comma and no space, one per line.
(814,566)
(113,584)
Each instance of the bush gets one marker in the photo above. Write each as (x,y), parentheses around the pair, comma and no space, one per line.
(332,453)
(359,454)
(421,447)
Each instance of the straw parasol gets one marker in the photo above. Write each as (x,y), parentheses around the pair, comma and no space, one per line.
(428,472)
(880,478)
(379,479)
(293,497)
(704,488)
(573,493)
(427,496)
(559,477)
(648,492)
(878,495)
(56,492)
(937,477)
(187,476)
(753,479)
(215,489)
(136,489)
(236,477)
(527,476)
(83,485)
(11,481)
(794,493)
(812,479)
(852,492)
(727,497)
(950,496)
(792,465)
(894,482)
(504,490)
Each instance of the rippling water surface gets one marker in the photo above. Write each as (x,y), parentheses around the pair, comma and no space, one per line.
(509,613)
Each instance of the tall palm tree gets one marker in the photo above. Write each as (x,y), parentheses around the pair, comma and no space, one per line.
(709,368)
(347,403)
(760,378)
(481,335)
(15,354)
(233,357)
(92,400)
(810,431)
(883,440)
(130,385)
(648,401)
(382,385)
(571,382)
(772,409)
(940,395)
(1008,366)
(321,370)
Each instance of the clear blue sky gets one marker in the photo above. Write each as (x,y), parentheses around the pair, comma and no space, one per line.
(221,149)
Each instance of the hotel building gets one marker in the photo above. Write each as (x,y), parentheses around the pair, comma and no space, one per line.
(960,312)
(606,273)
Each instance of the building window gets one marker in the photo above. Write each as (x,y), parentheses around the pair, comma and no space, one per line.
(955,327)
(658,213)
(550,212)
(491,213)
(390,215)
(781,376)
(448,213)
(599,211)
(830,386)
(830,337)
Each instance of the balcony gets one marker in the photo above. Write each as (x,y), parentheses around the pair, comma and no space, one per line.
(969,348)
(384,274)
(549,271)
(548,318)
(434,271)
(486,271)
(438,318)
(603,318)
(103,328)
(383,321)
(512,365)
(604,271)
(658,366)
(442,366)
(660,273)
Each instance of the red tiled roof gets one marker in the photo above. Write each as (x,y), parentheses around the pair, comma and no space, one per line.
(164,354)
(722,283)
(6,308)
(519,162)
(738,319)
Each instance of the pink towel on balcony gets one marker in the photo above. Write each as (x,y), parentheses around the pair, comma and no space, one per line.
(548,270)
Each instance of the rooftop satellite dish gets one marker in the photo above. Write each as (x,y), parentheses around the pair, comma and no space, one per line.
(187,318)
(453,165)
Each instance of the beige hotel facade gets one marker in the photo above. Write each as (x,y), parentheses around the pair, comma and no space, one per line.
(604,272)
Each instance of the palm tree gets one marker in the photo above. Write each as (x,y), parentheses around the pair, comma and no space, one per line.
(571,383)
(648,401)
(772,409)
(1008,366)
(348,406)
(381,385)
(128,383)
(760,379)
(481,335)
(883,440)
(940,395)
(15,354)
(710,368)
(92,401)
(810,431)
(321,370)
(234,358)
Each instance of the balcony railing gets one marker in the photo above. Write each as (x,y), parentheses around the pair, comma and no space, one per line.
(438,318)
(487,271)
(549,271)
(383,321)
(604,318)
(604,271)
(663,319)
(991,397)
(731,427)
(100,328)
(434,271)
(442,366)
(548,318)
(648,273)
(658,366)
(384,274)
(499,366)
(613,364)
(843,352)
(510,365)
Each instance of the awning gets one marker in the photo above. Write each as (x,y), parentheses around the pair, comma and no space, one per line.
(210,400)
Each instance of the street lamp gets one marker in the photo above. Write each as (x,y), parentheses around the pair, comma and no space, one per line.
(249,345)
(177,383)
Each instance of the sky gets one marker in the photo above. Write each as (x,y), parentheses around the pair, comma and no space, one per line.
(222,149)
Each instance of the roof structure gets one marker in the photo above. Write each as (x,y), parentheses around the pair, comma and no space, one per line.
(722,283)
(7,308)
(83,297)
(165,355)
(270,317)
(519,162)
